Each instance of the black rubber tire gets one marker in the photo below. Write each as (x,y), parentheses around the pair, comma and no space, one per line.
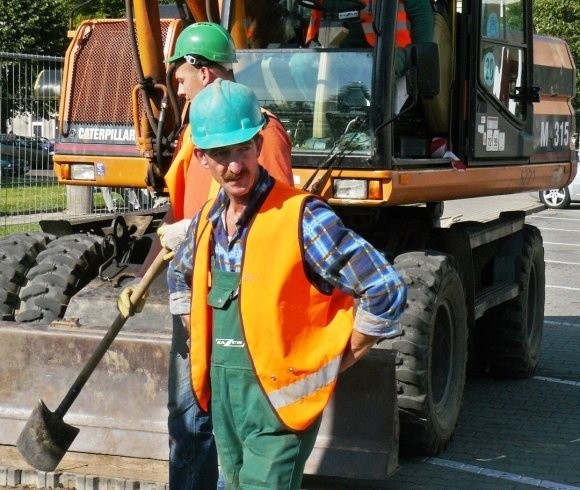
(555,198)
(431,352)
(18,254)
(63,268)
(513,332)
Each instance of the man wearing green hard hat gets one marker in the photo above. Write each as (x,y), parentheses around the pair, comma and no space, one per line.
(267,280)
(204,52)
(207,40)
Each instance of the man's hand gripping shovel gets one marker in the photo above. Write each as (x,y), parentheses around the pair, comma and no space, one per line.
(46,437)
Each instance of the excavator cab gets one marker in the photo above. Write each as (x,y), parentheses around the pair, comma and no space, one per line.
(322,67)
(330,69)
(329,75)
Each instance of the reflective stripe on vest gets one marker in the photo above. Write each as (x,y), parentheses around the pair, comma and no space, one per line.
(295,334)
(403,27)
(296,391)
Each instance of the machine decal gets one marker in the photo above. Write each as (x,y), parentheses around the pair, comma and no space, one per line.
(489,69)
(527,175)
(106,134)
(492,138)
(552,134)
(559,133)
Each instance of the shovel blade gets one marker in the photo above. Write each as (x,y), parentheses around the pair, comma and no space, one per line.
(45,438)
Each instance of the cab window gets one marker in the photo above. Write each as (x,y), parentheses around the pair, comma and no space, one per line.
(503,52)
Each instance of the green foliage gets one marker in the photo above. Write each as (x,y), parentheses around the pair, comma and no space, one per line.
(100,9)
(40,26)
(32,26)
(105,9)
(561,18)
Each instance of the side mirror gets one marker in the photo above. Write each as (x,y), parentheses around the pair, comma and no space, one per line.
(423,75)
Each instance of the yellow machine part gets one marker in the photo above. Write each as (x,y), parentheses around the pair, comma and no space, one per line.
(114,173)
(388,187)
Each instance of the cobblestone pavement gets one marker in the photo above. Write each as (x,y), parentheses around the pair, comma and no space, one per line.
(516,434)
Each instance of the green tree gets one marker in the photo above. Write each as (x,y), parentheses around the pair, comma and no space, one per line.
(30,26)
(561,18)
(101,9)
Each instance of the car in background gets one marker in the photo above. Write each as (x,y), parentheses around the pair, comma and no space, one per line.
(37,153)
(562,198)
(47,145)
(11,169)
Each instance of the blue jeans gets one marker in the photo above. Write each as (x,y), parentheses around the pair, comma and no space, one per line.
(193,463)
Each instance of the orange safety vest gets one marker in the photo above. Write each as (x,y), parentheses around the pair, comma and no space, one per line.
(403,27)
(295,334)
(402,32)
(367,24)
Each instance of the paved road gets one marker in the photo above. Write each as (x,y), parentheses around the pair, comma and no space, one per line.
(516,434)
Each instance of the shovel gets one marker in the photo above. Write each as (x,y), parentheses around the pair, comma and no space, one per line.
(46,437)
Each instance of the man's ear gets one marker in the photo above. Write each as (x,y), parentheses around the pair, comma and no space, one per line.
(200,155)
(259,142)
(207,75)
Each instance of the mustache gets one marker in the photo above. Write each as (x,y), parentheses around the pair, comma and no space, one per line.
(232,177)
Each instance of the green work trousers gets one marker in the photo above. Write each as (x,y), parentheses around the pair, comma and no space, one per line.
(256,451)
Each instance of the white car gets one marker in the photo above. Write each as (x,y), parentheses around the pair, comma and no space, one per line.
(561,198)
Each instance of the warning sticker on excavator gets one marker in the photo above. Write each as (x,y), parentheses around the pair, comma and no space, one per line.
(488,69)
(492,138)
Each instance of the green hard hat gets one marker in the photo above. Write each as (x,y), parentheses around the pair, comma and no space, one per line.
(224,113)
(205,39)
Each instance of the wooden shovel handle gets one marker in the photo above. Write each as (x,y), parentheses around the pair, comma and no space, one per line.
(157,266)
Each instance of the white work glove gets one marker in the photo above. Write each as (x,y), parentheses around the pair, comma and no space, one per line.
(124,304)
(173,234)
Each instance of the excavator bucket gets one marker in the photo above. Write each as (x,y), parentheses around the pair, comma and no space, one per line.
(359,432)
(122,409)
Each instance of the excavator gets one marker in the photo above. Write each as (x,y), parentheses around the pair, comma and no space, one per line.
(481,109)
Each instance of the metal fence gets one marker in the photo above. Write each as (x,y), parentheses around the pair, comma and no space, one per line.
(29,192)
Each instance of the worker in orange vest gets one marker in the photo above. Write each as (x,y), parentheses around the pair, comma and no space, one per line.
(415,20)
(414,23)
(268,339)
(204,52)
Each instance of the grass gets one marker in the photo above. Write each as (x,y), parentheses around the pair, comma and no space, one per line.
(37,197)
(6,230)
(26,197)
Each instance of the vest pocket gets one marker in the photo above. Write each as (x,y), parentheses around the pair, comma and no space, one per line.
(221,298)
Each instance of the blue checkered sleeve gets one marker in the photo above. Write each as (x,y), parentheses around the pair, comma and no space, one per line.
(344,260)
(179,274)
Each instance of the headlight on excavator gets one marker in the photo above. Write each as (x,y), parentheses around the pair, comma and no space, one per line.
(82,171)
(351,189)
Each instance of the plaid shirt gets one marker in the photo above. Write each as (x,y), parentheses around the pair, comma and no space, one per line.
(336,257)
